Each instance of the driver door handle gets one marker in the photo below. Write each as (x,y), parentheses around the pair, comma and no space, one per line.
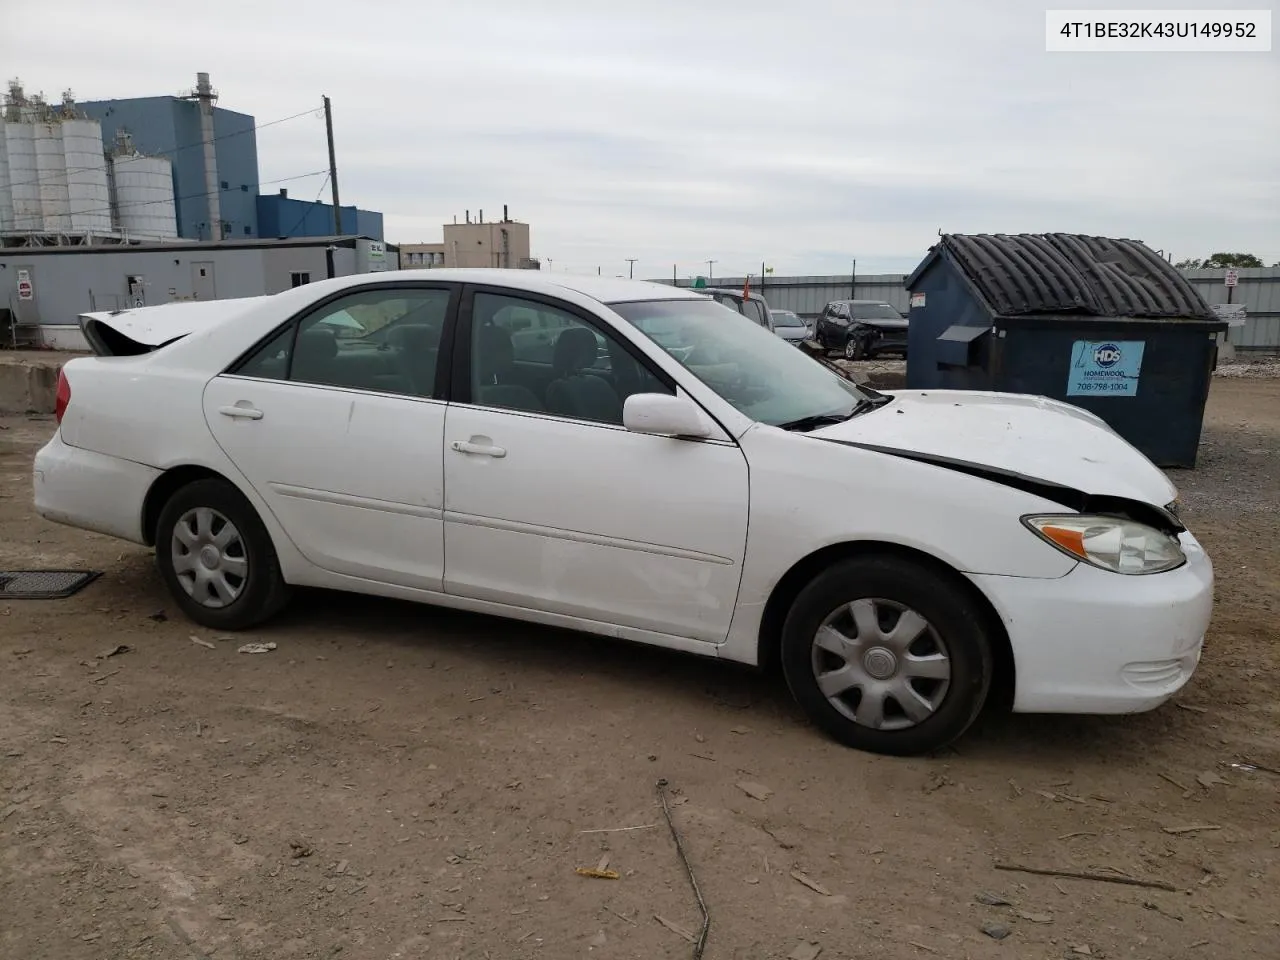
(238,412)
(480,449)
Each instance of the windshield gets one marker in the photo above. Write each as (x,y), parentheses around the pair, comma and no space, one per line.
(874,311)
(785,318)
(761,375)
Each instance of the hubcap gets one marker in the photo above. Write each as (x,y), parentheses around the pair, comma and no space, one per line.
(881,664)
(850,350)
(209,557)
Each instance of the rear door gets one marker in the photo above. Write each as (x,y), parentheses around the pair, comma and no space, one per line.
(337,421)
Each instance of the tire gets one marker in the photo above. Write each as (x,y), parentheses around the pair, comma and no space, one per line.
(194,525)
(853,349)
(888,587)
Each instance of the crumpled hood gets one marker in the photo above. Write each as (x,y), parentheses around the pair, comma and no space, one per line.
(1033,436)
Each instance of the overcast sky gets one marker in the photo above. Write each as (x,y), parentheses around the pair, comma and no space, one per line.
(804,133)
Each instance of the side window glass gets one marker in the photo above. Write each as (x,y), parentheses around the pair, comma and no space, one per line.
(385,341)
(535,358)
(271,361)
(751,310)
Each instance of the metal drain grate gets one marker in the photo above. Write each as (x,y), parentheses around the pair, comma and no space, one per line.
(43,584)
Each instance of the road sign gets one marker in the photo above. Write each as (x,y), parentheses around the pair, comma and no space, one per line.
(25,290)
(699,283)
(1232,278)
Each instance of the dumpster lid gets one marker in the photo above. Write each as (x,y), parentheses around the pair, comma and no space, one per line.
(959,333)
(1062,273)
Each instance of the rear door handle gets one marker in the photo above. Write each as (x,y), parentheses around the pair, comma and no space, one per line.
(241,413)
(480,449)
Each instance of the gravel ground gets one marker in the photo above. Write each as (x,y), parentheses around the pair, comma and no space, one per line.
(1251,367)
(395,781)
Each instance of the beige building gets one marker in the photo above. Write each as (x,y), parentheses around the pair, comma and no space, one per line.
(476,243)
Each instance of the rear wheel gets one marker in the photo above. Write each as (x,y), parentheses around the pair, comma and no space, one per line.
(217,558)
(887,656)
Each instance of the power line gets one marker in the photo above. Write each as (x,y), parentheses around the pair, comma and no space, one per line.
(54,174)
(177,200)
(306,210)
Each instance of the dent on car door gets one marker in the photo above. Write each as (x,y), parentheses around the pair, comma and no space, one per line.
(337,422)
(550,503)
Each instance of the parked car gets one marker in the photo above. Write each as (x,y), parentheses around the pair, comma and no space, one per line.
(862,329)
(789,326)
(694,483)
(752,306)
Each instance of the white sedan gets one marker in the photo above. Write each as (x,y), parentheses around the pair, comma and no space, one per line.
(637,461)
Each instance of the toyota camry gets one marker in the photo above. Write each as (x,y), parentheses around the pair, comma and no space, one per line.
(640,462)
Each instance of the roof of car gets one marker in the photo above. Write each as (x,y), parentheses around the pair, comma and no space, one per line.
(731,291)
(604,289)
(883,303)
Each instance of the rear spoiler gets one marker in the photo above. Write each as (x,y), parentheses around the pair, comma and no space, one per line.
(126,333)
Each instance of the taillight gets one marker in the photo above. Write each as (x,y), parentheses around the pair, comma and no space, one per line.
(63,396)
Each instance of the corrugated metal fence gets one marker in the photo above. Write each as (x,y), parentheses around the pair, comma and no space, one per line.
(1258,289)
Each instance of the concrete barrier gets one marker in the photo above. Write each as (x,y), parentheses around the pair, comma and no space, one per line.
(29,380)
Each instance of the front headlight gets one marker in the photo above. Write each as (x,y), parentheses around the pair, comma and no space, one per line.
(1120,546)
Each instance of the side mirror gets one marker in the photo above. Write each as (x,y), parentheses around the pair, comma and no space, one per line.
(663,415)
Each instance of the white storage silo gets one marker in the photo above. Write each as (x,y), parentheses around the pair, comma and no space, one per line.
(6,189)
(144,196)
(51,169)
(88,199)
(24,179)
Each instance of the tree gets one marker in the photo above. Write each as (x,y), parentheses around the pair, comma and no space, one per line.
(1222,260)
(1189,264)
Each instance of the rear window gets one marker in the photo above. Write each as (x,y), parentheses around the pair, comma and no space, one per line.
(874,311)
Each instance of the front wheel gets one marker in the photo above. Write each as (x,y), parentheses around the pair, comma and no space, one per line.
(853,349)
(216,557)
(886,655)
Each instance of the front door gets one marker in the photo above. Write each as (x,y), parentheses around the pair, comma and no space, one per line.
(551,503)
(336,424)
(203,286)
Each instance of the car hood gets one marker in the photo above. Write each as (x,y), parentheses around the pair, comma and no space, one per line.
(882,323)
(792,333)
(143,329)
(1014,435)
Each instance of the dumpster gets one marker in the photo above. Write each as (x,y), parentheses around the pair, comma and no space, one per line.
(1107,325)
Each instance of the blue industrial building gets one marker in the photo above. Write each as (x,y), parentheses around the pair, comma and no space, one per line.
(280,215)
(170,127)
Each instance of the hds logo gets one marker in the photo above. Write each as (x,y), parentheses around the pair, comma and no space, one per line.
(1106,355)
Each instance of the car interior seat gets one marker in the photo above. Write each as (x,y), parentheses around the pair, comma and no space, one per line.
(574,392)
(494,362)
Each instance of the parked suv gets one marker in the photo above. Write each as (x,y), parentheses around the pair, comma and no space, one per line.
(753,306)
(861,329)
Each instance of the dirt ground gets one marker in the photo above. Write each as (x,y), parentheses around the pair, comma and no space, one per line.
(395,781)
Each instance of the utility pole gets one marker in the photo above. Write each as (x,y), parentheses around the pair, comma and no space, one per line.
(631,267)
(710,264)
(333,168)
(853,281)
